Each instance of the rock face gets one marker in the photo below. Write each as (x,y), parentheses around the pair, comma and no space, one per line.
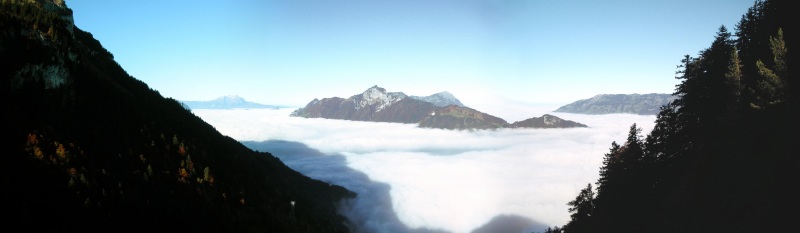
(642,104)
(441,110)
(225,102)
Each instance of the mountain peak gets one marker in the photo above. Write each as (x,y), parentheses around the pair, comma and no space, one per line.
(441,99)
(230,99)
(225,102)
(445,94)
(377,97)
(546,121)
(374,92)
(59,7)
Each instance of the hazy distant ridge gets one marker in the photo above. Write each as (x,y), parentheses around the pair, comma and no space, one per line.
(642,104)
(226,102)
(440,99)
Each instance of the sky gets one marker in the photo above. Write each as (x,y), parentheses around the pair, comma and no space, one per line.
(491,54)
(409,178)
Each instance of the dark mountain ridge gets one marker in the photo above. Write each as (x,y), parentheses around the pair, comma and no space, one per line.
(375,104)
(92,149)
(546,121)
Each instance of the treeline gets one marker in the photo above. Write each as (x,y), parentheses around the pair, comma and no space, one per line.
(722,157)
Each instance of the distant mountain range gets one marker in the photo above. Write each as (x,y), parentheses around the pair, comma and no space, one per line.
(642,104)
(226,102)
(440,110)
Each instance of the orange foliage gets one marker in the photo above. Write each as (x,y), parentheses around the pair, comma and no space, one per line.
(38,152)
(61,152)
(182,149)
(32,140)
(190,165)
(182,173)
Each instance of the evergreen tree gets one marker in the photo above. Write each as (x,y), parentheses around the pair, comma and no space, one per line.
(772,85)
(606,171)
(554,229)
(581,211)
(733,83)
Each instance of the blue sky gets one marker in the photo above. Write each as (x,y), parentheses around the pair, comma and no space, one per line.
(486,53)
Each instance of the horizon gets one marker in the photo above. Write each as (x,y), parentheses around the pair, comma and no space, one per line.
(499,57)
(198,124)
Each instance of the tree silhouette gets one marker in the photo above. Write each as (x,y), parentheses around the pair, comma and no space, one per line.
(581,210)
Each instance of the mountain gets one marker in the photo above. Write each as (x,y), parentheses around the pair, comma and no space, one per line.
(455,117)
(440,99)
(88,148)
(642,104)
(546,121)
(225,102)
(441,110)
(374,104)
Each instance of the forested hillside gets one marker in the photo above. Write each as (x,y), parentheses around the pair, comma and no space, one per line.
(723,157)
(88,148)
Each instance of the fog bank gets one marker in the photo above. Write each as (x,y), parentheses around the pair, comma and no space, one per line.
(451,180)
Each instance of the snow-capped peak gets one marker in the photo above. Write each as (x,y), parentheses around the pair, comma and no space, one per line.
(377,96)
(230,99)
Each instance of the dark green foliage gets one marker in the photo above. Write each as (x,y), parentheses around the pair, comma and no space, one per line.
(581,210)
(554,229)
(723,156)
(91,149)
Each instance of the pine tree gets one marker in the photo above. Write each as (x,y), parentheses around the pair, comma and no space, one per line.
(712,164)
(733,83)
(772,85)
(581,211)
(606,171)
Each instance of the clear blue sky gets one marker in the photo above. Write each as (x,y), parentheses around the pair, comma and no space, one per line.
(484,52)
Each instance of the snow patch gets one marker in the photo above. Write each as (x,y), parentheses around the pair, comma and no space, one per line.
(550,120)
(378,97)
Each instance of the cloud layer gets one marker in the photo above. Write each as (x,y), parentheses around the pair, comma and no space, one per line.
(442,179)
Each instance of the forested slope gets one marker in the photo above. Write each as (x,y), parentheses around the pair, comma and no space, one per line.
(88,148)
(723,157)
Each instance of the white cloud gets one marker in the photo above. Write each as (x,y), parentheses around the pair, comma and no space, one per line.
(447,179)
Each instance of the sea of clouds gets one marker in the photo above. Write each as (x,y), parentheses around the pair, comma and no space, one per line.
(412,179)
